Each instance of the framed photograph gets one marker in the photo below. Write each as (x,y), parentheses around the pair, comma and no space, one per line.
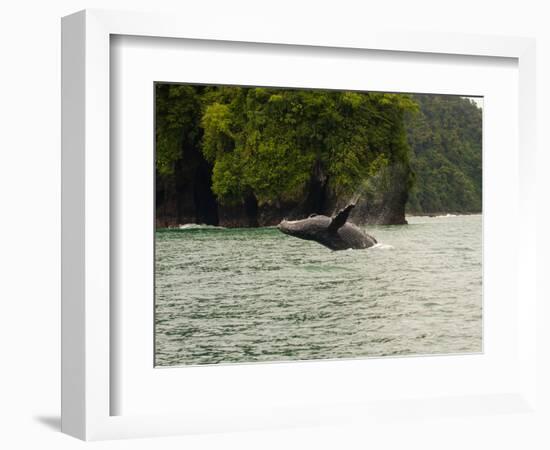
(270,228)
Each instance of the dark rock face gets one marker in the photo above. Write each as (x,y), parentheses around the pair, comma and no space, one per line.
(243,215)
(249,214)
(388,210)
(382,205)
(188,198)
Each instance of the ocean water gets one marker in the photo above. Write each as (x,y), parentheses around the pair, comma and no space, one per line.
(252,295)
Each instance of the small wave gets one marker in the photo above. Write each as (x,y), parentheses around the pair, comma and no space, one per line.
(381,246)
(438,216)
(197,226)
(442,216)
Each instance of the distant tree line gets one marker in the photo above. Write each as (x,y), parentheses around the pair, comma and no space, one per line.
(445,137)
(240,156)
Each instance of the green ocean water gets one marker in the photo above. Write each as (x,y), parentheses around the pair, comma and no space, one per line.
(251,295)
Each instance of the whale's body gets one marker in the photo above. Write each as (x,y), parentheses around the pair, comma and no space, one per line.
(335,232)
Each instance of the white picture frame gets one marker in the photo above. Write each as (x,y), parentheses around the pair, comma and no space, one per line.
(87,354)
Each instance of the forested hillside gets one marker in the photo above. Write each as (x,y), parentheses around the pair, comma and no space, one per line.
(250,156)
(237,156)
(446,155)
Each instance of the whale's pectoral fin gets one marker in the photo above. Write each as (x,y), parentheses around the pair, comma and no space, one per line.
(340,219)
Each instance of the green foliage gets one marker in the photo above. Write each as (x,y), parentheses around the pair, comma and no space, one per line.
(447,159)
(177,115)
(274,138)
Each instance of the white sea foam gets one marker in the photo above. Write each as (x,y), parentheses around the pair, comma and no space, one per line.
(440,216)
(381,246)
(197,226)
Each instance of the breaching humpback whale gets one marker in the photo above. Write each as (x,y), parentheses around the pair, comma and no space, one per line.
(335,232)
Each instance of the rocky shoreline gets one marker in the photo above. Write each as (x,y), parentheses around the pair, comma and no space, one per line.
(188,198)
